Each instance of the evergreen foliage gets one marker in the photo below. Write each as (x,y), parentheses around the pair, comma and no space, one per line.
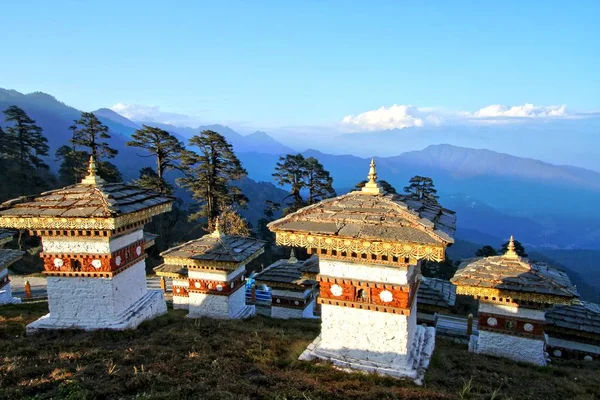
(301,173)
(165,147)
(89,132)
(421,188)
(486,251)
(149,179)
(22,146)
(209,175)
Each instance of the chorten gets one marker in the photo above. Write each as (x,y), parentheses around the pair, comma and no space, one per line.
(93,252)
(370,247)
(7,257)
(292,291)
(514,294)
(209,272)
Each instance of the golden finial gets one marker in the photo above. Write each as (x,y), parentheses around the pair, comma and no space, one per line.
(510,252)
(92,178)
(371,187)
(217,231)
(293,258)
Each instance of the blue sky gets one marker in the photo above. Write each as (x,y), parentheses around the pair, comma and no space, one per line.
(305,63)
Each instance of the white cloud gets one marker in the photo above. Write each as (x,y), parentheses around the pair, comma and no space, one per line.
(408,116)
(138,112)
(396,116)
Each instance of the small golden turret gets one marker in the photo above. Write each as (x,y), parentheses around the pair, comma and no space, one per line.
(372,187)
(92,178)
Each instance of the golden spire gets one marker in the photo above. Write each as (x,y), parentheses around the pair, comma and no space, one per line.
(510,252)
(293,258)
(92,178)
(217,231)
(371,187)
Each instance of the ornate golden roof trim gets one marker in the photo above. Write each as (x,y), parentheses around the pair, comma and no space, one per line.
(512,295)
(82,223)
(401,250)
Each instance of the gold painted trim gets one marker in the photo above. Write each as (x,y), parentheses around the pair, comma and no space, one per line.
(60,223)
(511,296)
(400,250)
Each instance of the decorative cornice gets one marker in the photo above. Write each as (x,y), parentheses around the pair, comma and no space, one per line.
(492,295)
(62,223)
(379,249)
(210,265)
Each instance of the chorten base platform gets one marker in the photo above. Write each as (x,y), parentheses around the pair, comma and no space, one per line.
(412,367)
(247,311)
(6,296)
(150,305)
(508,346)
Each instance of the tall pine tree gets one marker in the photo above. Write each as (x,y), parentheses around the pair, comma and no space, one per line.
(90,133)
(210,173)
(421,188)
(23,147)
(165,147)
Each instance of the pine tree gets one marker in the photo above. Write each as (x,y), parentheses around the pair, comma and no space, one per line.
(318,181)
(299,174)
(385,186)
(232,223)
(89,132)
(23,146)
(486,251)
(421,188)
(165,147)
(209,175)
(149,179)
(74,164)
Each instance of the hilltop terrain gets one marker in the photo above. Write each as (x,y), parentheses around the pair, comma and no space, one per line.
(174,357)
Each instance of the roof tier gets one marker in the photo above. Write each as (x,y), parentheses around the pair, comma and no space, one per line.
(436,292)
(91,204)
(583,317)
(514,277)
(214,250)
(291,272)
(8,256)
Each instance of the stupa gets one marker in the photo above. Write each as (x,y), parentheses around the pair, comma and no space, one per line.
(513,295)
(292,291)
(93,252)
(370,247)
(209,272)
(7,257)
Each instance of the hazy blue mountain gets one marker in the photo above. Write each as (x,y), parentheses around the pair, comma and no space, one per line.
(574,141)
(257,141)
(115,117)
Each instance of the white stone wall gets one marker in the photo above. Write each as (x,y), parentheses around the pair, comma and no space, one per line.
(208,305)
(512,347)
(216,275)
(237,303)
(94,299)
(367,335)
(511,311)
(90,245)
(362,272)
(180,302)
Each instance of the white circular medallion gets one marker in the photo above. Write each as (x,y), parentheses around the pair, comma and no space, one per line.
(210,285)
(97,264)
(296,302)
(58,262)
(336,290)
(528,327)
(138,250)
(219,288)
(557,353)
(279,301)
(386,296)
(197,284)
(118,260)
(588,358)
(491,321)
(178,290)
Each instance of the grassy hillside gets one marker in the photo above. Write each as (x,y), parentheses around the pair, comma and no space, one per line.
(173,357)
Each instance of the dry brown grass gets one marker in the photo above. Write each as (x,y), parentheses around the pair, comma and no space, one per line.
(176,358)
